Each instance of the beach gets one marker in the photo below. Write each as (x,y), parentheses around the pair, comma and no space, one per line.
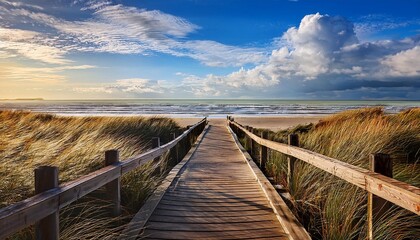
(274,123)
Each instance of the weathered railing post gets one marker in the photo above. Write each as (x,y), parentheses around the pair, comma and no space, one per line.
(253,143)
(249,140)
(263,152)
(175,156)
(46,178)
(113,188)
(155,142)
(293,140)
(377,207)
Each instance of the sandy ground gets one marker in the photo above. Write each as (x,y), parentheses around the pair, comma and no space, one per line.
(273,123)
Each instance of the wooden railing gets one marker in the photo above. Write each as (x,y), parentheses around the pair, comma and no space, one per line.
(375,182)
(43,208)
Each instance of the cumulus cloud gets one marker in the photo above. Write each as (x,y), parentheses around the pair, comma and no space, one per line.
(403,64)
(322,53)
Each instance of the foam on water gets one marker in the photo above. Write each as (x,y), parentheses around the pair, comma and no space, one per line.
(199,108)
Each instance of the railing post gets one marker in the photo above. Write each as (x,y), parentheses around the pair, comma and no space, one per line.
(175,149)
(293,140)
(155,142)
(46,178)
(249,140)
(113,188)
(253,143)
(263,152)
(377,207)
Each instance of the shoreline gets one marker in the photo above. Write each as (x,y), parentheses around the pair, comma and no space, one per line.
(274,123)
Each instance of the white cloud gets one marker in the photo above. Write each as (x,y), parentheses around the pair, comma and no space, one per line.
(307,53)
(323,50)
(46,75)
(25,43)
(315,41)
(21,4)
(129,30)
(130,85)
(405,63)
(374,23)
(213,53)
(93,90)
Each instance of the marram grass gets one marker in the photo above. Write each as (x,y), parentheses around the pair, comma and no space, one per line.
(76,145)
(334,209)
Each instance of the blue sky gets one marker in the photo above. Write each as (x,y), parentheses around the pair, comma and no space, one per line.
(210,49)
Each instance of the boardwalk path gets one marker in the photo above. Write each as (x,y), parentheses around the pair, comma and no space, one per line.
(216,196)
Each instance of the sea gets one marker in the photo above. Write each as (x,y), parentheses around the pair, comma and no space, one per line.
(211,108)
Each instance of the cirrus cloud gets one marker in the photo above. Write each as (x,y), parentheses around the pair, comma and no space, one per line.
(115,28)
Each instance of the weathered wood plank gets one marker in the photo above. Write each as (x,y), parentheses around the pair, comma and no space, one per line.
(213,227)
(213,204)
(216,196)
(217,200)
(137,223)
(213,219)
(289,222)
(217,191)
(182,187)
(209,214)
(222,235)
(230,208)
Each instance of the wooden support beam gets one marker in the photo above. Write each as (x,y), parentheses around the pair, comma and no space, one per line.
(263,152)
(113,188)
(46,178)
(377,206)
(293,140)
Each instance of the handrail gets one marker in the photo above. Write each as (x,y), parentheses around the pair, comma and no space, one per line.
(392,190)
(33,209)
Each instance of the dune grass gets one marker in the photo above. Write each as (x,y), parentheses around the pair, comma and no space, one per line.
(331,208)
(76,145)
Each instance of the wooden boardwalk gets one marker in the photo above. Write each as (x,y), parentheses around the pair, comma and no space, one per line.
(215,192)
(215,196)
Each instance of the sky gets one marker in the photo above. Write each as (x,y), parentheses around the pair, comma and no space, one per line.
(300,49)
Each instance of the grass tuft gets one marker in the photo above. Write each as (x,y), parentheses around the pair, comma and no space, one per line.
(334,209)
(76,145)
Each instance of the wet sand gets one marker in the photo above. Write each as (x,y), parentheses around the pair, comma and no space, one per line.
(272,123)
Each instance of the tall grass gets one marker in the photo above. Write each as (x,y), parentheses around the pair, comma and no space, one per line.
(331,208)
(76,145)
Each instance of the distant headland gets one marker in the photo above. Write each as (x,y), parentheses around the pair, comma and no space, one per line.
(21,99)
